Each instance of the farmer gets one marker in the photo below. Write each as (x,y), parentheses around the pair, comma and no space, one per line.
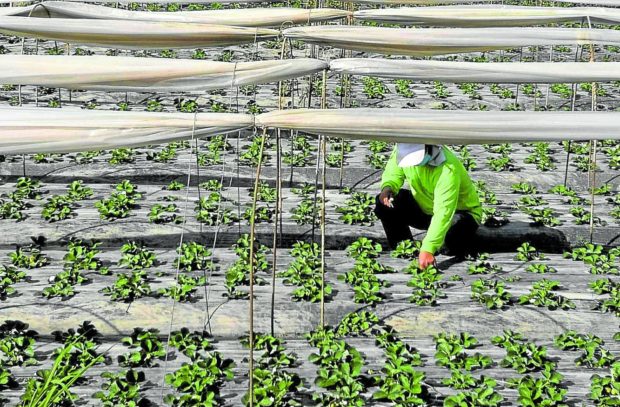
(442,200)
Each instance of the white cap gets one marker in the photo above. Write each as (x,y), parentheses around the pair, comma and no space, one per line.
(409,155)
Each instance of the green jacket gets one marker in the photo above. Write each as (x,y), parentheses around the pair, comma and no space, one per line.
(440,191)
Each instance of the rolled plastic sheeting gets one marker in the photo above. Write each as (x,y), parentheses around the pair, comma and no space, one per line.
(134,35)
(447,127)
(604,3)
(129,74)
(492,72)
(419,2)
(437,41)
(488,15)
(24,131)
(256,17)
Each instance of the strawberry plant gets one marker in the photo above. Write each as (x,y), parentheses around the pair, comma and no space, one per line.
(165,214)
(239,272)
(122,389)
(148,349)
(307,212)
(9,275)
(407,249)
(198,382)
(82,255)
(191,344)
(356,323)
(12,207)
(212,185)
(57,208)
(364,248)
(527,252)
(262,214)
(28,257)
(482,266)
(490,293)
(185,288)
(366,285)
(400,383)
(521,355)
(543,391)
(209,211)
(120,203)
(123,155)
(266,193)
(450,352)
(524,188)
(17,344)
(251,155)
(600,260)
(273,384)
(27,188)
(175,186)
(540,268)
(129,287)
(611,304)
(583,217)
(481,395)
(541,157)
(194,256)
(135,256)
(358,209)
(403,88)
(374,88)
(305,273)
(542,295)
(426,284)
(594,354)
(605,390)
(340,368)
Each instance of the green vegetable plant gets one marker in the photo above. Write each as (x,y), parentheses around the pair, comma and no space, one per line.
(120,203)
(239,273)
(594,355)
(358,209)
(400,383)
(605,390)
(29,257)
(198,383)
(191,344)
(524,188)
(490,293)
(547,390)
(340,370)
(165,214)
(9,275)
(521,355)
(483,266)
(185,288)
(194,256)
(450,352)
(527,252)
(482,394)
(356,323)
(123,155)
(543,294)
(273,384)
(129,287)
(17,344)
(426,283)
(600,260)
(122,389)
(407,249)
(210,212)
(135,256)
(307,212)
(147,349)
(305,273)
(374,88)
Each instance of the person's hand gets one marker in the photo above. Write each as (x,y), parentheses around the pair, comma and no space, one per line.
(386,197)
(426,259)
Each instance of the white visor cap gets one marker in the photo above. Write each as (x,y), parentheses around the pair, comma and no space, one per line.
(409,155)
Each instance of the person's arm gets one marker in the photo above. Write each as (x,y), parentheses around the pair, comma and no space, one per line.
(444,207)
(393,176)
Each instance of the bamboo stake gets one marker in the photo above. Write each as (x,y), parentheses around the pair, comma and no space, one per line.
(252,228)
(593,147)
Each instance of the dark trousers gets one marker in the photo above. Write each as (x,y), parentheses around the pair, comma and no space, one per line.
(406,212)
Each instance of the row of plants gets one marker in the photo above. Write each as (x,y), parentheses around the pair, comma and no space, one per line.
(304,272)
(366,285)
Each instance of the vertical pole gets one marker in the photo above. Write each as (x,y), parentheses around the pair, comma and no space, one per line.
(252,228)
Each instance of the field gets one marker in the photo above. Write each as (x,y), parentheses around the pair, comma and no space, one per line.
(125,273)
